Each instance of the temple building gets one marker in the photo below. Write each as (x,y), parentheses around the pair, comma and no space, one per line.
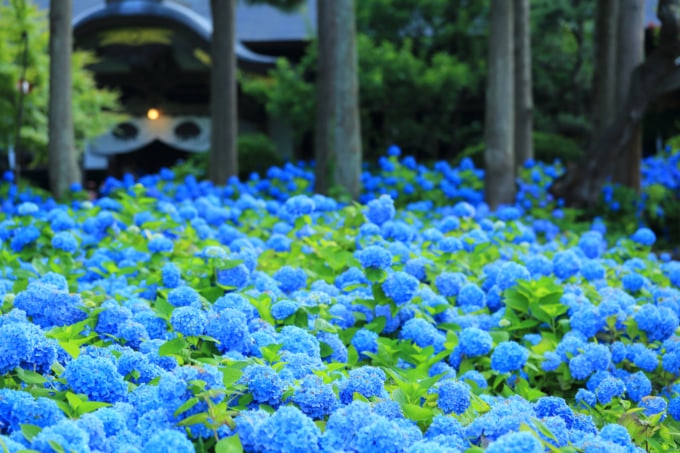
(157,54)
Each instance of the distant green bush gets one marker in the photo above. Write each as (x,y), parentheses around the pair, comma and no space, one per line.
(256,154)
(547,148)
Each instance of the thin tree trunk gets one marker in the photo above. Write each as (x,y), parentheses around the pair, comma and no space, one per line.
(580,186)
(605,69)
(223,158)
(630,55)
(325,108)
(499,123)
(524,100)
(61,153)
(346,95)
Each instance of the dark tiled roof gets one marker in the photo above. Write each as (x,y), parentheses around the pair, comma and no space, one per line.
(253,23)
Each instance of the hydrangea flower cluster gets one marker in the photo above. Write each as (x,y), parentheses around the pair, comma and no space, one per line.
(172,313)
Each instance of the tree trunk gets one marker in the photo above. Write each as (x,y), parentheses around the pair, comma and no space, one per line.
(61,154)
(338,136)
(524,100)
(499,123)
(605,73)
(580,186)
(325,108)
(630,55)
(223,158)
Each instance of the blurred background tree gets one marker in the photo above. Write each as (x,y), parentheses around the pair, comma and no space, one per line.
(422,69)
(95,110)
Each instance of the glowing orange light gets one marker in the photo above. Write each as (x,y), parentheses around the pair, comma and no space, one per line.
(153,114)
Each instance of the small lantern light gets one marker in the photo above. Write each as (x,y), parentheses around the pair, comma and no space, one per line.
(153,114)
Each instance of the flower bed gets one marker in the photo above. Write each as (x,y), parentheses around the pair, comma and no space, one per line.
(172,315)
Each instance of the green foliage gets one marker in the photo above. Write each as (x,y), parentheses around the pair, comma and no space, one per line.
(256,154)
(93,108)
(562,53)
(548,147)
(422,72)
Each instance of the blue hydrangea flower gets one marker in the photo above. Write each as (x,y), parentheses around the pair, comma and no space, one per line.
(516,442)
(609,388)
(23,237)
(653,405)
(184,296)
(616,433)
(96,377)
(230,328)
(383,435)
(644,236)
(586,398)
(638,386)
(367,380)
(171,275)
(449,283)
(474,342)
(338,349)
(235,277)
(315,398)
(189,321)
(287,430)
(365,340)
(247,423)
(66,434)
(591,244)
(471,298)
(299,205)
(161,244)
(674,408)
(566,264)
(27,208)
(296,339)
(374,256)
(593,270)
(18,407)
(290,279)
(263,383)
(633,282)
(380,210)
(400,287)
(48,302)
(284,308)
(453,396)
(65,241)
(659,323)
(509,273)
(508,356)
(422,333)
(169,440)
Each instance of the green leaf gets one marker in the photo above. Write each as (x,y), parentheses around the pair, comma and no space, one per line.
(194,419)
(56,446)
(188,404)
(231,374)
(90,406)
(517,301)
(417,413)
(30,431)
(231,444)
(31,377)
(71,348)
(172,347)
(163,308)
(375,275)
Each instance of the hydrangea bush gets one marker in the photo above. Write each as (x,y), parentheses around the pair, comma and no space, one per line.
(173,315)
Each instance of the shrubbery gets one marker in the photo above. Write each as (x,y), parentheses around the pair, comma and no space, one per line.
(173,314)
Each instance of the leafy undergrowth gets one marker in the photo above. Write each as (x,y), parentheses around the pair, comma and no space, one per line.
(172,315)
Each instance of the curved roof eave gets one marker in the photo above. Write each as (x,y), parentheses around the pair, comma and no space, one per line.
(171,11)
